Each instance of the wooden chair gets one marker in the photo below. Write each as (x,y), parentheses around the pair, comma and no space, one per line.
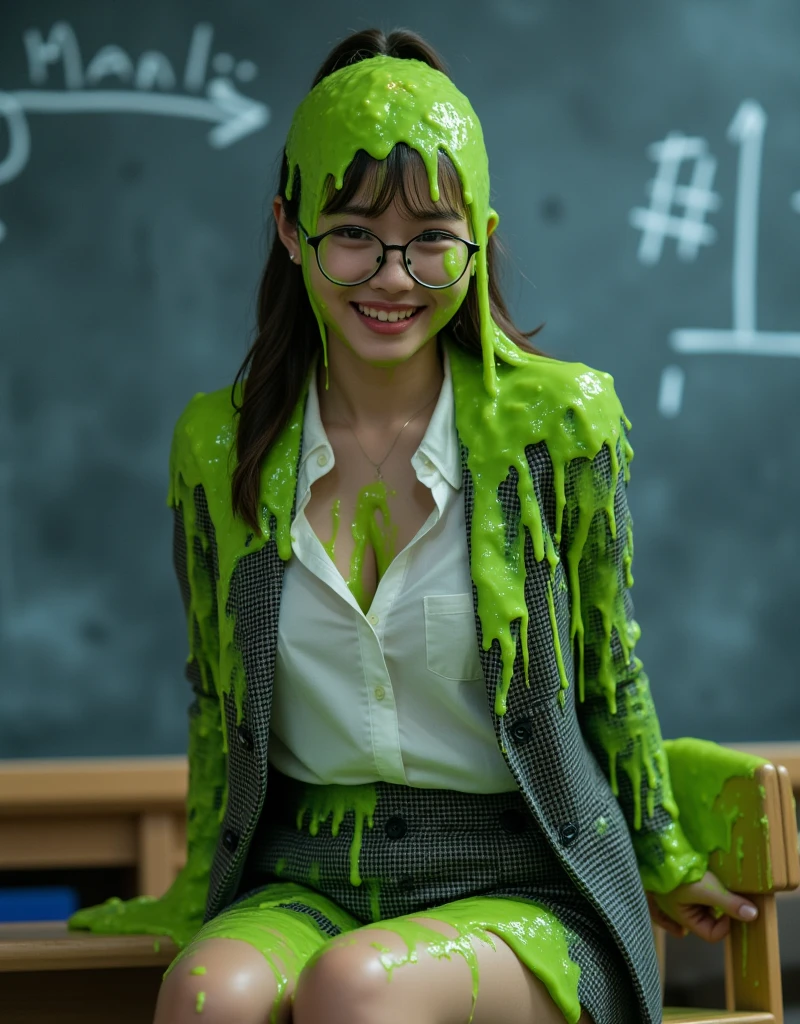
(51,976)
(756,811)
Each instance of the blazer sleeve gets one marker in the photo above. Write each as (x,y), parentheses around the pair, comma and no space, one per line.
(195,564)
(615,707)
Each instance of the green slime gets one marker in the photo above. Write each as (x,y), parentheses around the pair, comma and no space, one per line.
(290,941)
(699,770)
(518,400)
(369,533)
(535,933)
(571,408)
(372,105)
(323,802)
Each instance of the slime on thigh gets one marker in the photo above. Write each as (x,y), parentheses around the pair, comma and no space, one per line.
(534,933)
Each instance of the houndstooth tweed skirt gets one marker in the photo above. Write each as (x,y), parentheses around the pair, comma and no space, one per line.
(426,848)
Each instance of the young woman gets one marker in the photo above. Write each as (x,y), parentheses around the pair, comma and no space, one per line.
(426,775)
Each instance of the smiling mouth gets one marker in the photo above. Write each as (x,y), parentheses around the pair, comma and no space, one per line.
(385,315)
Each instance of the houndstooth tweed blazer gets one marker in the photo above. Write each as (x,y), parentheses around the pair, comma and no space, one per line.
(553,753)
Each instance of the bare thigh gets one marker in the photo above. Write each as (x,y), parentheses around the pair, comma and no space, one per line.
(347,982)
(237,984)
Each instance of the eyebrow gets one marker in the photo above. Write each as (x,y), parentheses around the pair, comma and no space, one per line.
(364,210)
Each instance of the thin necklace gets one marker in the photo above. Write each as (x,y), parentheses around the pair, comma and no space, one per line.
(377,465)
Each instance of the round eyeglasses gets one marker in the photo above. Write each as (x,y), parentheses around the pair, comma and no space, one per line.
(349,255)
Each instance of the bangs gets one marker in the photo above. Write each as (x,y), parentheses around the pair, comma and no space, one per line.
(402,176)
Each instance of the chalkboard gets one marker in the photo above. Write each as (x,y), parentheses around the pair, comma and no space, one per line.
(646,166)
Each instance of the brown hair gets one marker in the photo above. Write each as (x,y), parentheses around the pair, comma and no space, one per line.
(287,338)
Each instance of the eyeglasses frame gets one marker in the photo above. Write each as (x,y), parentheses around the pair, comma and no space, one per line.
(314,240)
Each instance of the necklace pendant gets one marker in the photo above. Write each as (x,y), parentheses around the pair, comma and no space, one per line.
(378,474)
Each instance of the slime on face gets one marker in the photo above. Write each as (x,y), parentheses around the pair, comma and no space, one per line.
(373,105)
(453,265)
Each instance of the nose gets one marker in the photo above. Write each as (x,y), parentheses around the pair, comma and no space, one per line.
(393,277)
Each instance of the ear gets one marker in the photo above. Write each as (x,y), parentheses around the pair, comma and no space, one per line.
(287,232)
(492,222)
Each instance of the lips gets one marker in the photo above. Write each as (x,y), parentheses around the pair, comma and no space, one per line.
(387,310)
(386,326)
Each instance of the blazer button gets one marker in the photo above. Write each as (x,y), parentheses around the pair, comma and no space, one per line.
(521,731)
(568,833)
(512,821)
(245,737)
(395,828)
(230,840)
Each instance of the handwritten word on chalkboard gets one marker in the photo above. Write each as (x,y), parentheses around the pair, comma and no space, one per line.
(148,84)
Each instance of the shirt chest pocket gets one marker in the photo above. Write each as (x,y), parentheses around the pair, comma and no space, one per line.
(451,640)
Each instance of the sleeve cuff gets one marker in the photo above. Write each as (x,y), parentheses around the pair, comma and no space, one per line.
(666,860)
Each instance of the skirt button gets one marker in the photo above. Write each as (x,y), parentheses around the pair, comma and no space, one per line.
(395,828)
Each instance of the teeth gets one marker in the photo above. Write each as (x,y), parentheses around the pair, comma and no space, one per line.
(381,314)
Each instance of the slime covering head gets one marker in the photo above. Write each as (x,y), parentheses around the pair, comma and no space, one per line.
(373,105)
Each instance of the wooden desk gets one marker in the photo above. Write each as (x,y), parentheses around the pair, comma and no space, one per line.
(96,812)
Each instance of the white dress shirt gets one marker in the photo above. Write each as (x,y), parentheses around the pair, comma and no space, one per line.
(396,694)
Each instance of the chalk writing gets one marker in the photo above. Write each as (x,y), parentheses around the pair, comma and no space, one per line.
(147,85)
(747,130)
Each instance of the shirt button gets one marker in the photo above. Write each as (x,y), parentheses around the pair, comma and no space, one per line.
(373,620)
(322,460)
(380,693)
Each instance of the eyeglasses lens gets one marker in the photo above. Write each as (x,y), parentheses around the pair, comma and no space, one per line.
(350,256)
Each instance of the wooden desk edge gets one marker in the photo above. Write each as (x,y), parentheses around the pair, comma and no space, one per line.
(44,785)
(40,786)
(50,946)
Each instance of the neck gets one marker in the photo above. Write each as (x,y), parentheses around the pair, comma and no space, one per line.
(376,397)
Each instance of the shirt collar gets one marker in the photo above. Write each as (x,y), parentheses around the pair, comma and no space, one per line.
(439,444)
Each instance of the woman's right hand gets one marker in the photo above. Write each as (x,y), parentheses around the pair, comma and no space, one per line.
(704,908)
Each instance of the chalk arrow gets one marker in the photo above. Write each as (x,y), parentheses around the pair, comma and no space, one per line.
(241,115)
(234,116)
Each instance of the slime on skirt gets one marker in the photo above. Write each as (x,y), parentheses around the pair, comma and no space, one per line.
(334,858)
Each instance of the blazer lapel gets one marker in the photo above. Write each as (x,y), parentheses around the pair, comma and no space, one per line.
(255,594)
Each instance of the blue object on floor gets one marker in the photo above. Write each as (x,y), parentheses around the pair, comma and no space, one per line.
(46,903)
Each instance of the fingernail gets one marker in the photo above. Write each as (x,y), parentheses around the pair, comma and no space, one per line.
(748,913)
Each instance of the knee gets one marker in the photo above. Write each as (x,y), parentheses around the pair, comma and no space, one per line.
(344,982)
(235,983)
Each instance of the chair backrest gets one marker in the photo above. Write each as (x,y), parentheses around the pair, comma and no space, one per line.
(739,809)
